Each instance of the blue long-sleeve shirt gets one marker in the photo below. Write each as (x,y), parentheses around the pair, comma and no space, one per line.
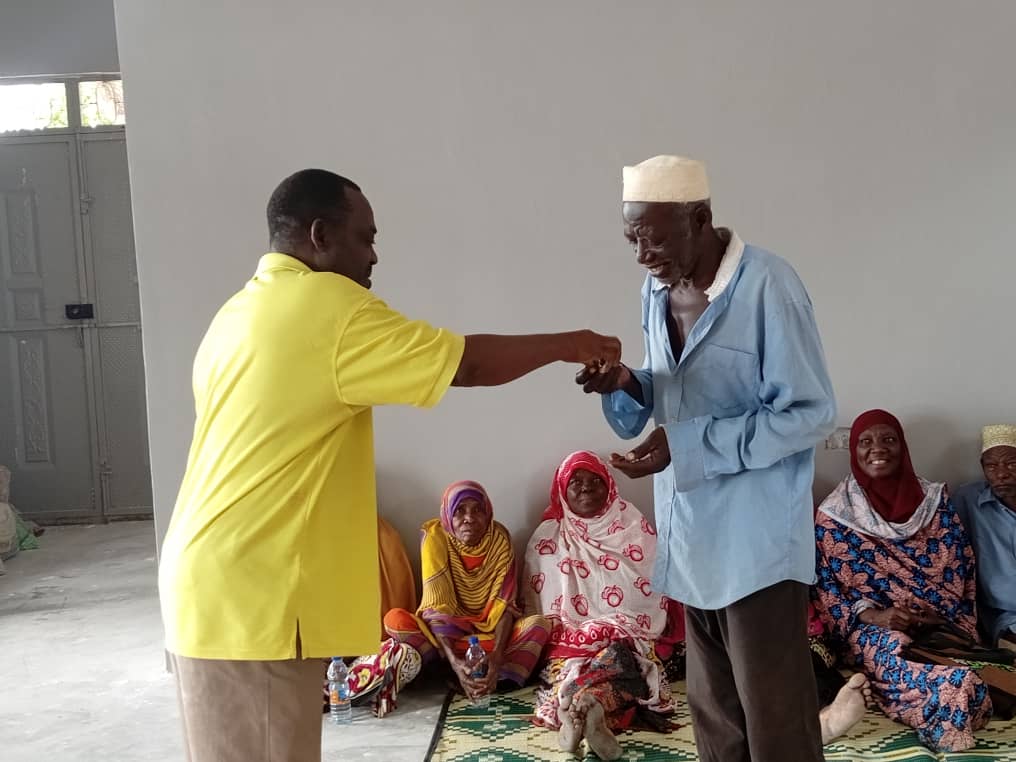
(743,408)
(992,530)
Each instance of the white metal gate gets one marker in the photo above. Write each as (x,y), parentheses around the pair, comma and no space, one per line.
(72,402)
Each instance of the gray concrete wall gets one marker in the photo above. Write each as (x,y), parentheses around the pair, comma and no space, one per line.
(869,143)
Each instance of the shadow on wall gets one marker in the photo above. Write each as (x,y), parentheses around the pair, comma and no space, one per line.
(962,457)
(401,497)
(831,466)
(941,452)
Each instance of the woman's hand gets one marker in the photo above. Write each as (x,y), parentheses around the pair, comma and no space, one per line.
(471,686)
(930,619)
(489,683)
(461,671)
(891,619)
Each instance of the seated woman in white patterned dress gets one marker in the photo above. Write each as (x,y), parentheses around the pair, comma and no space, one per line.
(588,567)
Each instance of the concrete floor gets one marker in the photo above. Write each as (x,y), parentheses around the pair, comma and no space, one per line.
(82,673)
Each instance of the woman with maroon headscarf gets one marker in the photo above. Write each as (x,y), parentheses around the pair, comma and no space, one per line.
(893,557)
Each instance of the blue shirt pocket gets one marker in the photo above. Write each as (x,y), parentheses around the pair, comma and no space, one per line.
(720,381)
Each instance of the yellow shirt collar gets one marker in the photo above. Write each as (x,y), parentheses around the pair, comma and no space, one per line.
(277,261)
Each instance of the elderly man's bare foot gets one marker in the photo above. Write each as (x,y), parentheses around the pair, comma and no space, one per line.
(847,708)
(599,737)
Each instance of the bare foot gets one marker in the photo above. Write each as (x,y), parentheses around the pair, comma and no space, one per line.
(569,735)
(577,709)
(847,708)
(600,738)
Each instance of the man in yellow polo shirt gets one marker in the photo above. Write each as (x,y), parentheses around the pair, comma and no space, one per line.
(270,562)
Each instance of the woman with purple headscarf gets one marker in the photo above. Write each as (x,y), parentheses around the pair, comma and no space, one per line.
(469,588)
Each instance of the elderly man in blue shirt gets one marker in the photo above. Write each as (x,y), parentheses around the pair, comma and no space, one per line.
(988,510)
(736,381)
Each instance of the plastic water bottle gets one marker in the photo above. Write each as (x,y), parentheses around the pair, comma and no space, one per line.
(476,660)
(338,692)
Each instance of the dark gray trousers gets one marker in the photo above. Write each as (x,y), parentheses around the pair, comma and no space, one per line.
(751,687)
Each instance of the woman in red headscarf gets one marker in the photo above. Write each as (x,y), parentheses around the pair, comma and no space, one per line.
(893,558)
(588,569)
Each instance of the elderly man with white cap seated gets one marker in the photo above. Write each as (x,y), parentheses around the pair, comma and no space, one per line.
(735,378)
(988,510)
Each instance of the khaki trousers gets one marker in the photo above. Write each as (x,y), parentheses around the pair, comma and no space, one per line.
(250,711)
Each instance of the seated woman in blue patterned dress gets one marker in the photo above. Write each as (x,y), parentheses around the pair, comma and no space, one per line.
(892,558)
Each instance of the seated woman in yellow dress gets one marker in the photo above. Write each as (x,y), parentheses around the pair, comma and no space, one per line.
(469,588)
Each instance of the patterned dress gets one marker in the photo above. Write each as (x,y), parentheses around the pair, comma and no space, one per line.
(467,590)
(929,571)
(590,577)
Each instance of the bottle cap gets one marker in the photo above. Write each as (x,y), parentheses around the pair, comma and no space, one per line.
(336,658)
(473,640)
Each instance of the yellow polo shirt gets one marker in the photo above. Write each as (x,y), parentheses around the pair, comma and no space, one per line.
(275,526)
